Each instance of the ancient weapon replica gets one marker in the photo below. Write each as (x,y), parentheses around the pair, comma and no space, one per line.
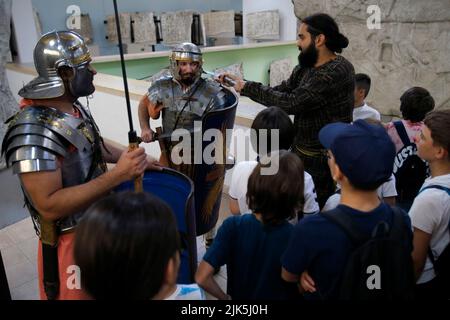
(133,140)
(192,190)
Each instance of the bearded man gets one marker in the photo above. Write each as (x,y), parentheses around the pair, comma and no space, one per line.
(319,91)
(181,98)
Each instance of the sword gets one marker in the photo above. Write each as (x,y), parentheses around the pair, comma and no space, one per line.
(174,135)
(133,141)
(228,81)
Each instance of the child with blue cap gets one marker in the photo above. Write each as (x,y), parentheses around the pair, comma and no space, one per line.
(360,158)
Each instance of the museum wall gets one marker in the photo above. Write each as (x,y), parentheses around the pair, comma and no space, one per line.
(52,14)
(411,48)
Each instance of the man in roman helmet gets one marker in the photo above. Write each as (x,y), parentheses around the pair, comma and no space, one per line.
(55,147)
(183,97)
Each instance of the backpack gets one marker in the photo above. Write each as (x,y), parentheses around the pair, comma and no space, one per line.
(380,266)
(409,170)
(441,265)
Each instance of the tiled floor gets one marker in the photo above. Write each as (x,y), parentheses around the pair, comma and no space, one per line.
(18,245)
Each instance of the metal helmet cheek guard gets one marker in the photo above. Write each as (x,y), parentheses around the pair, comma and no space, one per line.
(188,52)
(54,50)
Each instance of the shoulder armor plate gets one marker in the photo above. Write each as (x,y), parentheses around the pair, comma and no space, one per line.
(34,165)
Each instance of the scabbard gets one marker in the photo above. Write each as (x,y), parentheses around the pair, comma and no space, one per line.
(49,240)
(51,274)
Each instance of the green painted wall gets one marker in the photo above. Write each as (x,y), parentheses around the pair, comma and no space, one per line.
(256,62)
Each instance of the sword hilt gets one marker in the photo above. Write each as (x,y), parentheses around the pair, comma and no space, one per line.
(133,144)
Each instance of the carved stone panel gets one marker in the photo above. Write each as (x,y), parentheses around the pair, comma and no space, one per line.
(411,48)
(144,28)
(125,28)
(280,70)
(263,25)
(219,24)
(176,27)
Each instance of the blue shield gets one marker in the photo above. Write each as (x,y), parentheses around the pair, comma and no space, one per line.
(209,178)
(177,191)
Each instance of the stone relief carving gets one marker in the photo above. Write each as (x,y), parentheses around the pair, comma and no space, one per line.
(219,24)
(263,25)
(144,28)
(236,69)
(8,105)
(125,27)
(176,27)
(280,70)
(86,28)
(410,49)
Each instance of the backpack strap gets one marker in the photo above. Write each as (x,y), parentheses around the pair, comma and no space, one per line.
(402,132)
(435,186)
(343,220)
(398,223)
(430,253)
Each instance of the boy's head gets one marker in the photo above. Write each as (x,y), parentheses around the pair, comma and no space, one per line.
(360,152)
(127,247)
(415,103)
(272,118)
(279,196)
(433,142)
(362,88)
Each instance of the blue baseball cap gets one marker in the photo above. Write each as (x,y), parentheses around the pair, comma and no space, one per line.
(364,152)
